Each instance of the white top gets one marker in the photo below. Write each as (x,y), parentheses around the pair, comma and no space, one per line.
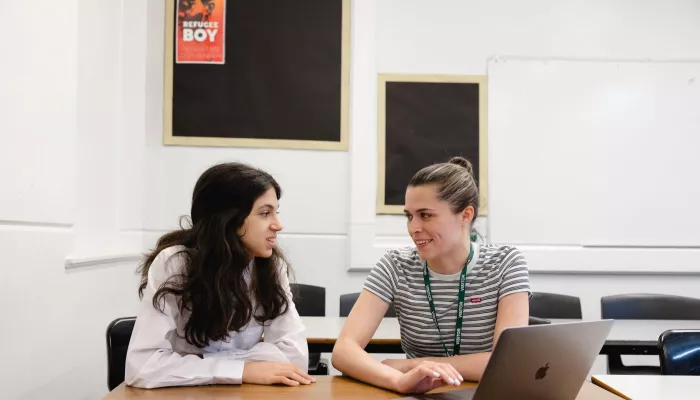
(652,387)
(159,355)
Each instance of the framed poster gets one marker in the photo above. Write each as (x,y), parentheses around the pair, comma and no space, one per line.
(267,73)
(426,119)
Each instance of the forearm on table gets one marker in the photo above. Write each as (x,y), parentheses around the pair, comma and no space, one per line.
(470,366)
(349,358)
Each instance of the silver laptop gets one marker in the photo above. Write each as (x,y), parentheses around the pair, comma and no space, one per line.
(537,362)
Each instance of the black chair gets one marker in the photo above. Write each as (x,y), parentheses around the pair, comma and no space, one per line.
(647,306)
(538,321)
(680,352)
(347,301)
(118,337)
(553,305)
(650,306)
(310,301)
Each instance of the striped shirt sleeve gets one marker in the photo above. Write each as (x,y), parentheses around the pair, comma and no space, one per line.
(516,277)
(382,279)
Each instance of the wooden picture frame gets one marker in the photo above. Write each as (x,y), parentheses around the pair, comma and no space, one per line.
(291,136)
(416,107)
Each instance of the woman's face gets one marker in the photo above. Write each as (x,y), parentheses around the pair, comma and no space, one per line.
(434,228)
(259,230)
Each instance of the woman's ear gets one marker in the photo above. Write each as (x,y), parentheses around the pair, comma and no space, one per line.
(243,229)
(468,214)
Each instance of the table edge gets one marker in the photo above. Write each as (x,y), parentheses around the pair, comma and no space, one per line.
(609,388)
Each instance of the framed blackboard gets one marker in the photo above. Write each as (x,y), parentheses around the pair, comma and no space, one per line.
(279,77)
(425,119)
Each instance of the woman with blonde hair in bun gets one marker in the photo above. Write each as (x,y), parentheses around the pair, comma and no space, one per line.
(453,297)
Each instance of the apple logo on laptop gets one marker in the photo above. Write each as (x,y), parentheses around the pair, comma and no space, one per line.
(542,372)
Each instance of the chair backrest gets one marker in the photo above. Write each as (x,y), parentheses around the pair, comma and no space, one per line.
(679,353)
(650,306)
(118,337)
(309,300)
(538,321)
(347,301)
(554,305)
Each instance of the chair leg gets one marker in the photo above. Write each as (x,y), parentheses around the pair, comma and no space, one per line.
(318,367)
(615,366)
(322,369)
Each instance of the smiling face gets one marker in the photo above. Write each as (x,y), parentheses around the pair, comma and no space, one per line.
(434,228)
(259,231)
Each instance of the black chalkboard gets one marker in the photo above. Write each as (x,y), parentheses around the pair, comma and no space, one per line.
(426,122)
(283,82)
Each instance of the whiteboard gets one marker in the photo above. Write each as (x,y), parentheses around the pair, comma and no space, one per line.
(594,153)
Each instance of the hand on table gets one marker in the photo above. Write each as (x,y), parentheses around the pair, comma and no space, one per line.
(270,373)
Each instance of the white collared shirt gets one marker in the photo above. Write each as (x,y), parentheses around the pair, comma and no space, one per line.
(159,355)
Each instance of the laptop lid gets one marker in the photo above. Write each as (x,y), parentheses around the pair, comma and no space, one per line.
(543,361)
(537,362)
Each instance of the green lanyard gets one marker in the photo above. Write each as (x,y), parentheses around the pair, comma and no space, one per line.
(460,305)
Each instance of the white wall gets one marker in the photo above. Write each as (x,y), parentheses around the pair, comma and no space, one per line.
(98,74)
(458,37)
(38,105)
(413,36)
(59,185)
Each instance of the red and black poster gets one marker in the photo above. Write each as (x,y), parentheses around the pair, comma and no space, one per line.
(200,32)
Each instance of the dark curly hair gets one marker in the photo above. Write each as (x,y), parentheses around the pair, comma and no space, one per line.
(212,287)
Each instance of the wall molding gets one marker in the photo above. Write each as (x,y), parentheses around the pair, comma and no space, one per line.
(584,260)
(554,271)
(73,263)
(310,235)
(81,262)
(36,224)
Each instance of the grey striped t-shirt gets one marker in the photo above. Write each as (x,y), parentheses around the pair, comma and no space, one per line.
(494,272)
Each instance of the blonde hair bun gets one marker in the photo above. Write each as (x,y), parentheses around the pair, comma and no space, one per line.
(463,162)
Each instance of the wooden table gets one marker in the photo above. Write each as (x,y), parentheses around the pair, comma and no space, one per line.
(651,387)
(626,337)
(326,387)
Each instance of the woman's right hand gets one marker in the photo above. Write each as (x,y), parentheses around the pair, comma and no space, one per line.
(270,373)
(427,376)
